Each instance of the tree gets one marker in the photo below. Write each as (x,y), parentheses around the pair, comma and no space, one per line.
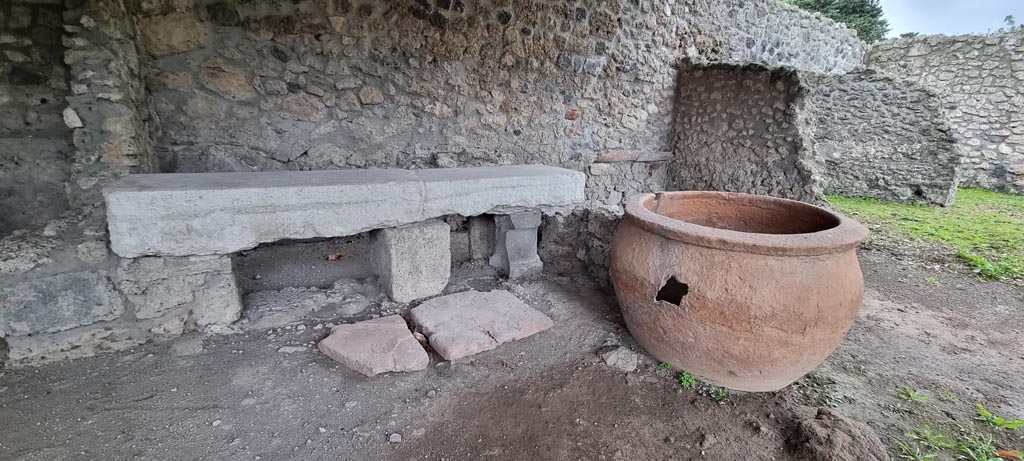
(1011,25)
(864,16)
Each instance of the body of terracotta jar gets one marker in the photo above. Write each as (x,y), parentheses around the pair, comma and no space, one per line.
(746,292)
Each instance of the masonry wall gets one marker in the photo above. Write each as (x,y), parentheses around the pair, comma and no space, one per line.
(981,77)
(33,138)
(742,129)
(253,86)
(882,137)
(258,85)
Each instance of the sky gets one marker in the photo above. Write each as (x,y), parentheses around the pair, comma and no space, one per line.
(950,17)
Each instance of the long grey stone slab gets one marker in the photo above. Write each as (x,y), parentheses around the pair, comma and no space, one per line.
(185,214)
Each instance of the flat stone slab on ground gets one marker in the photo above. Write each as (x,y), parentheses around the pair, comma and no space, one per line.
(467,323)
(376,346)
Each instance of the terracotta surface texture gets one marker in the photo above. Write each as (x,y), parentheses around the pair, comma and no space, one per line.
(746,292)
(376,346)
(471,322)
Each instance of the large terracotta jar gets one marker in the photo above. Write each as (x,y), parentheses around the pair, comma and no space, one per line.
(744,291)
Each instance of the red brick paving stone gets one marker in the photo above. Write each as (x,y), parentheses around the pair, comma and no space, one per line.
(376,346)
(471,322)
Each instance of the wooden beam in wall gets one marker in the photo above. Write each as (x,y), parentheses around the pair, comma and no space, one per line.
(633,156)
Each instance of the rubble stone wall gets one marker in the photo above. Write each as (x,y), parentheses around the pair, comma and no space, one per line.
(981,78)
(742,129)
(341,84)
(882,137)
(257,85)
(33,138)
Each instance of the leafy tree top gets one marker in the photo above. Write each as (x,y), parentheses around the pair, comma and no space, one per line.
(864,16)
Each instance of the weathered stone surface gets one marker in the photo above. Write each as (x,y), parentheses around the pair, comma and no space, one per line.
(303,106)
(619,357)
(197,214)
(376,346)
(20,253)
(882,137)
(515,249)
(57,303)
(739,130)
(831,437)
(413,261)
(228,80)
(172,33)
(71,118)
(75,343)
(467,323)
(481,237)
(269,309)
(201,287)
(980,78)
(370,95)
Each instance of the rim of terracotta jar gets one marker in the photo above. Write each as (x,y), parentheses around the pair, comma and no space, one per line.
(834,233)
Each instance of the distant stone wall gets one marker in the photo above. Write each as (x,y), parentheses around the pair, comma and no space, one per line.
(882,137)
(981,78)
(33,138)
(742,129)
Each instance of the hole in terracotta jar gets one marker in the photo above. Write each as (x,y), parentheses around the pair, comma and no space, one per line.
(672,291)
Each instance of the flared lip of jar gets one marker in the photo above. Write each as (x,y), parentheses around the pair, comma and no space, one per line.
(847,234)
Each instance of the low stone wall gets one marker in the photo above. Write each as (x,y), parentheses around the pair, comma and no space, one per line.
(741,129)
(882,137)
(981,78)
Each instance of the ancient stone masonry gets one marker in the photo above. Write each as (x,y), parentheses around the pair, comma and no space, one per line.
(981,78)
(94,90)
(33,138)
(105,108)
(336,84)
(742,129)
(882,137)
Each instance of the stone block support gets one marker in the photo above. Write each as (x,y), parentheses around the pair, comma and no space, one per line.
(481,237)
(413,261)
(515,249)
(182,292)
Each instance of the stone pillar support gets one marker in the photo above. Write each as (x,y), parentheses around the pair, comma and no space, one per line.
(481,237)
(515,249)
(413,261)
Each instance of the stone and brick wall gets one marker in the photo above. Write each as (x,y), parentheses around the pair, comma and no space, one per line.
(342,84)
(33,138)
(742,129)
(882,137)
(257,85)
(981,78)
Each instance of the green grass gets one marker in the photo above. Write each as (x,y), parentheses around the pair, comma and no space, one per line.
(985,229)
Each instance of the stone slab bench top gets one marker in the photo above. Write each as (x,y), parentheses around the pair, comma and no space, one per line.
(184,214)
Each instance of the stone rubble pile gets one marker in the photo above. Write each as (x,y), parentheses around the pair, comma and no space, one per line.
(456,326)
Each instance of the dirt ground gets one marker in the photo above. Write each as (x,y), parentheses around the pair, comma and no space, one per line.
(956,339)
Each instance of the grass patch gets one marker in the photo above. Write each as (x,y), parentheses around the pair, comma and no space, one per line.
(985,229)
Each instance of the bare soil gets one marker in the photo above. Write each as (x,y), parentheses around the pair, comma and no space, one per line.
(545,397)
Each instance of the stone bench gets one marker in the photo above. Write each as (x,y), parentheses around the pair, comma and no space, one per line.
(222,213)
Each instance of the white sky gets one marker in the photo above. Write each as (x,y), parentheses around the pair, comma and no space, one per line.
(950,17)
